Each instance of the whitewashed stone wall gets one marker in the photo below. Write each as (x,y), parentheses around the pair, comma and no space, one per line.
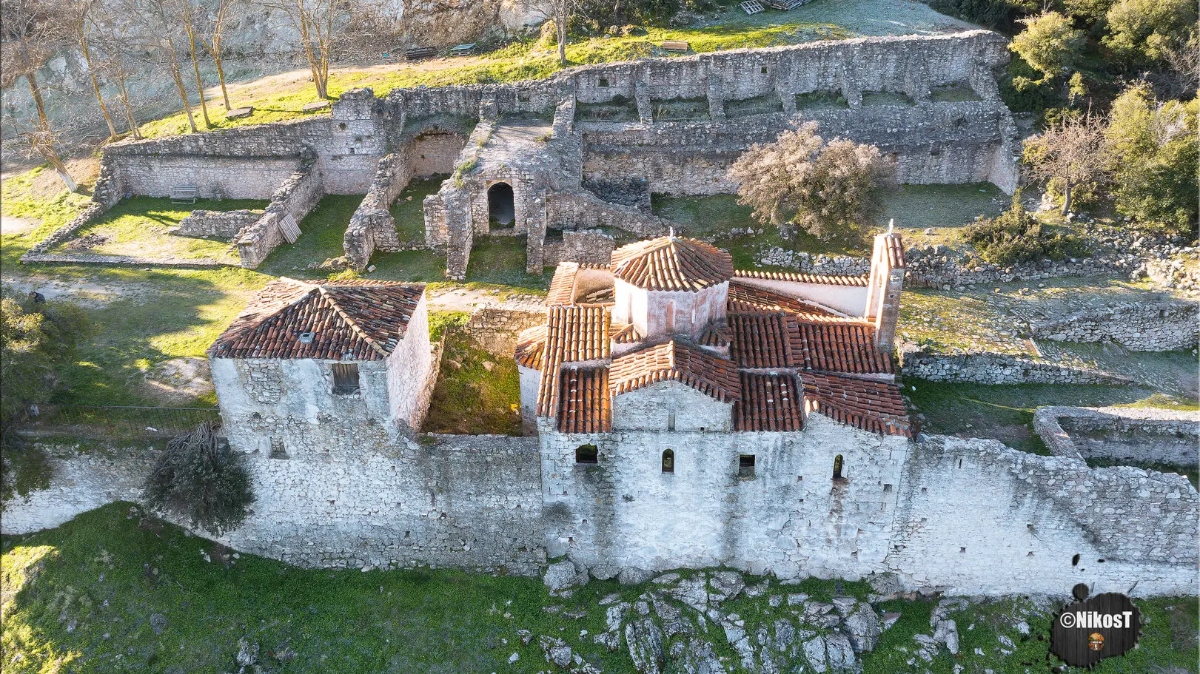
(412,371)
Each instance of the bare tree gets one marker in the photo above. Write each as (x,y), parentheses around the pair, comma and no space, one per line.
(317,22)
(81,22)
(161,17)
(1070,152)
(213,44)
(115,49)
(31,31)
(189,19)
(560,12)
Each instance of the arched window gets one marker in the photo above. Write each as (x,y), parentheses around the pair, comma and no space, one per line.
(586,454)
(668,461)
(837,467)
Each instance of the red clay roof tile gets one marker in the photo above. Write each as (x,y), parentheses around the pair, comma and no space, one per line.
(870,405)
(672,263)
(344,320)
(586,406)
(824,279)
(770,402)
(676,361)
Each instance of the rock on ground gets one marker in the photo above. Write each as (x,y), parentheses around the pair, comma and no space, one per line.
(562,575)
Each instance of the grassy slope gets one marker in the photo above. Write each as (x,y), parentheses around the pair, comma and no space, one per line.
(82,598)
(472,397)
(282,98)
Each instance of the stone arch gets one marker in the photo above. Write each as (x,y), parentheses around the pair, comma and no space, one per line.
(502,206)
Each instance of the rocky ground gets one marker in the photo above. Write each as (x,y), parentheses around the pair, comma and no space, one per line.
(714,621)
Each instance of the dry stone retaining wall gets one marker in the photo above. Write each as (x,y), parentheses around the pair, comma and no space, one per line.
(296,197)
(224,224)
(1141,435)
(1161,326)
(992,368)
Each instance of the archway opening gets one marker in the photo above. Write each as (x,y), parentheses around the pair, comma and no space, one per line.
(668,461)
(837,467)
(502,210)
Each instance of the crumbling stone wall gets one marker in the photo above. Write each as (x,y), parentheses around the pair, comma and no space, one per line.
(496,329)
(1139,435)
(586,246)
(992,368)
(372,225)
(1159,326)
(224,224)
(296,197)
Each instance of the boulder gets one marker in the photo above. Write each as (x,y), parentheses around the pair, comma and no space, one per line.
(726,585)
(841,653)
(863,628)
(814,652)
(562,575)
(645,646)
(631,575)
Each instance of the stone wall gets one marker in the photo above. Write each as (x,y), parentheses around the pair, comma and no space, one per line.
(1159,326)
(975,516)
(496,329)
(223,224)
(1138,435)
(581,209)
(993,368)
(372,225)
(585,246)
(297,196)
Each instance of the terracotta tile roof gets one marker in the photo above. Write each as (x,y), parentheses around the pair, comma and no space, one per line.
(760,341)
(677,361)
(586,406)
(744,298)
(846,347)
(672,263)
(351,320)
(531,347)
(625,333)
(573,333)
(715,334)
(770,402)
(869,405)
(826,279)
(895,250)
(562,286)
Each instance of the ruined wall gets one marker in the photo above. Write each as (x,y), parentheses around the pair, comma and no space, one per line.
(992,368)
(1136,435)
(976,516)
(372,225)
(296,197)
(1161,326)
(223,224)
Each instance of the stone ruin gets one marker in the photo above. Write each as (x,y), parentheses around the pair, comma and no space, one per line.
(583,149)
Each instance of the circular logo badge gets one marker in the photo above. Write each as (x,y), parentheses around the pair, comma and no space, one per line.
(1096,641)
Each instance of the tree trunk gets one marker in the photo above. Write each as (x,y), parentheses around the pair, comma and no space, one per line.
(1066,198)
(187,105)
(199,82)
(87,57)
(221,77)
(46,148)
(125,103)
(560,25)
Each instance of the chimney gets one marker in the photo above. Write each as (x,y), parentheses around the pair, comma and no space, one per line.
(884,286)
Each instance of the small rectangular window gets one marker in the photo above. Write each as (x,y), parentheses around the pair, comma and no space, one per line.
(746,465)
(587,454)
(345,378)
(603,82)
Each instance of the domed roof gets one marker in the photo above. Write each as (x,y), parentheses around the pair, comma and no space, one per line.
(672,263)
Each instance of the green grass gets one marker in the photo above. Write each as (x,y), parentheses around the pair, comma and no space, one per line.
(81,598)
(163,314)
(17,199)
(138,227)
(528,59)
(922,206)
(321,235)
(1005,413)
(476,392)
(501,260)
(407,211)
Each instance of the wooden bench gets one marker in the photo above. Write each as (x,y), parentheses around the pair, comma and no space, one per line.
(675,45)
(463,49)
(418,53)
(752,7)
(181,194)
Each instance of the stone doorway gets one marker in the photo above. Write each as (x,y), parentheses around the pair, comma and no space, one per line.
(502,210)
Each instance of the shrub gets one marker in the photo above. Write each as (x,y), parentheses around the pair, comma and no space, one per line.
(200,479)
(1016,236)
(37,338)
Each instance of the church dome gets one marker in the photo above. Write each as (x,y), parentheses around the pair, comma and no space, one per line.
(672,263)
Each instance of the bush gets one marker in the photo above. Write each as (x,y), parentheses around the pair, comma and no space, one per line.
(1016,236)
(200,479)
(37,338)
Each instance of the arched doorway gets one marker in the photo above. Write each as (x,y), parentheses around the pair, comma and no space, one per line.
(501,209)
